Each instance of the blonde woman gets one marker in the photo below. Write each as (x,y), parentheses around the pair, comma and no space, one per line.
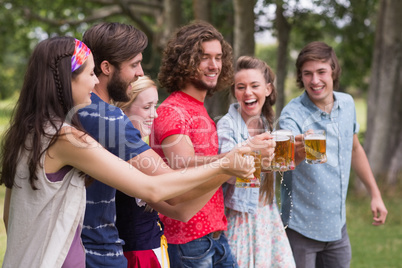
(141,108)
(138,223)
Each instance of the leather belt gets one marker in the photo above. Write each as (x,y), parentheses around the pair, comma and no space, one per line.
(215,235)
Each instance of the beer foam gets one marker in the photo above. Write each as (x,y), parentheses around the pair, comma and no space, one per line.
(281,138)
(282,132)
(315,137)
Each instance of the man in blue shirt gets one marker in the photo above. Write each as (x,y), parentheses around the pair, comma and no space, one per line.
(313,196)
(111,127)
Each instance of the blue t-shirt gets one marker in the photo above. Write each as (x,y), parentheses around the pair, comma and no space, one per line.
(113,130)
(313,196)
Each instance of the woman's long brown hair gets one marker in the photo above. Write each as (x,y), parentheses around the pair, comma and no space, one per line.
(45,99)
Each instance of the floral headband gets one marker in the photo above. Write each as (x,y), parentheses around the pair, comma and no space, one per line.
(81,53)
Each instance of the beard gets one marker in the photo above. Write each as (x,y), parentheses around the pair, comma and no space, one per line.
(202,86)
(117,88)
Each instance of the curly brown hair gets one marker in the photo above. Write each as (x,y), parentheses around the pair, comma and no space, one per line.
(183,53)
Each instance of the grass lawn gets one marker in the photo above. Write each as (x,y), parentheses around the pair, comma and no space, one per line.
(372,246)
(375,246)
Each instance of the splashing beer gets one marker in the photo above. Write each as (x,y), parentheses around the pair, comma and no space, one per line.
(315,145)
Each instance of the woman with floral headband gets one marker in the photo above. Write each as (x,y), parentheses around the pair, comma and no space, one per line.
(45,156)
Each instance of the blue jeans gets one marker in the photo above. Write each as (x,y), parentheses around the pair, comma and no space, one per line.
(204,252)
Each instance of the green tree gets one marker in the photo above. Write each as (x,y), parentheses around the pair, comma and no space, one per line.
(348,27)
(25,23)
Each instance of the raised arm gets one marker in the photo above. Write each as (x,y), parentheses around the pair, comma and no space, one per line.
(182,207)
(179,151)
(84,153)
(361,166)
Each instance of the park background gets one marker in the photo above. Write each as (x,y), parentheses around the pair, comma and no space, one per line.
(366,35)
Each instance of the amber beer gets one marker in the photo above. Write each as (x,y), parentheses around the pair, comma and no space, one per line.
(315,146)
(282,153)
(290,160)
(255,182)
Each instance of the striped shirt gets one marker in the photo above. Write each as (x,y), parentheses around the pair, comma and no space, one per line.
(111,128)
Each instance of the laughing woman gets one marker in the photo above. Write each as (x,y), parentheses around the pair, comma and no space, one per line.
(255,230)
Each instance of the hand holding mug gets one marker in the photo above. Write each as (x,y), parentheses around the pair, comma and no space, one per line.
(300,151)
(236,164)
(266,145)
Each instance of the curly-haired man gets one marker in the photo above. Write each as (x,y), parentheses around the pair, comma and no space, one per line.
(197,62)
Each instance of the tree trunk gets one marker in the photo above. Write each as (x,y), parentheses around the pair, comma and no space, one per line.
(171,20)
(244,43)
(202,10)
(383,142)
(283,29)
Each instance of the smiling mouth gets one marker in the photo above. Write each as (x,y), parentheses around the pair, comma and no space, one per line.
(317,88)
(148,123)
(211,75)
(250,102)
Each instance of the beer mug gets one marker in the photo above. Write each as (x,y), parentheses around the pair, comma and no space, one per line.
(283,150)
(315,146)
(291,156)
(256,181)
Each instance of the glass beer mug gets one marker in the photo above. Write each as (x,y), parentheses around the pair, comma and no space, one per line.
(284,158)
(315,146)
(256,181)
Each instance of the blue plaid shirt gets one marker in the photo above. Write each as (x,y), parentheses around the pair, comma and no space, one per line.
(313,196)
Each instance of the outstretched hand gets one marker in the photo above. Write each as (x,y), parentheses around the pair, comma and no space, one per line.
(235,164)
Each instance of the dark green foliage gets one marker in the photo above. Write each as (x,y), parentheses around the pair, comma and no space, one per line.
(350,29)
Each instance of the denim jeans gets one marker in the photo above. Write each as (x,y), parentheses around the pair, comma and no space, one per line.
(204,252)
